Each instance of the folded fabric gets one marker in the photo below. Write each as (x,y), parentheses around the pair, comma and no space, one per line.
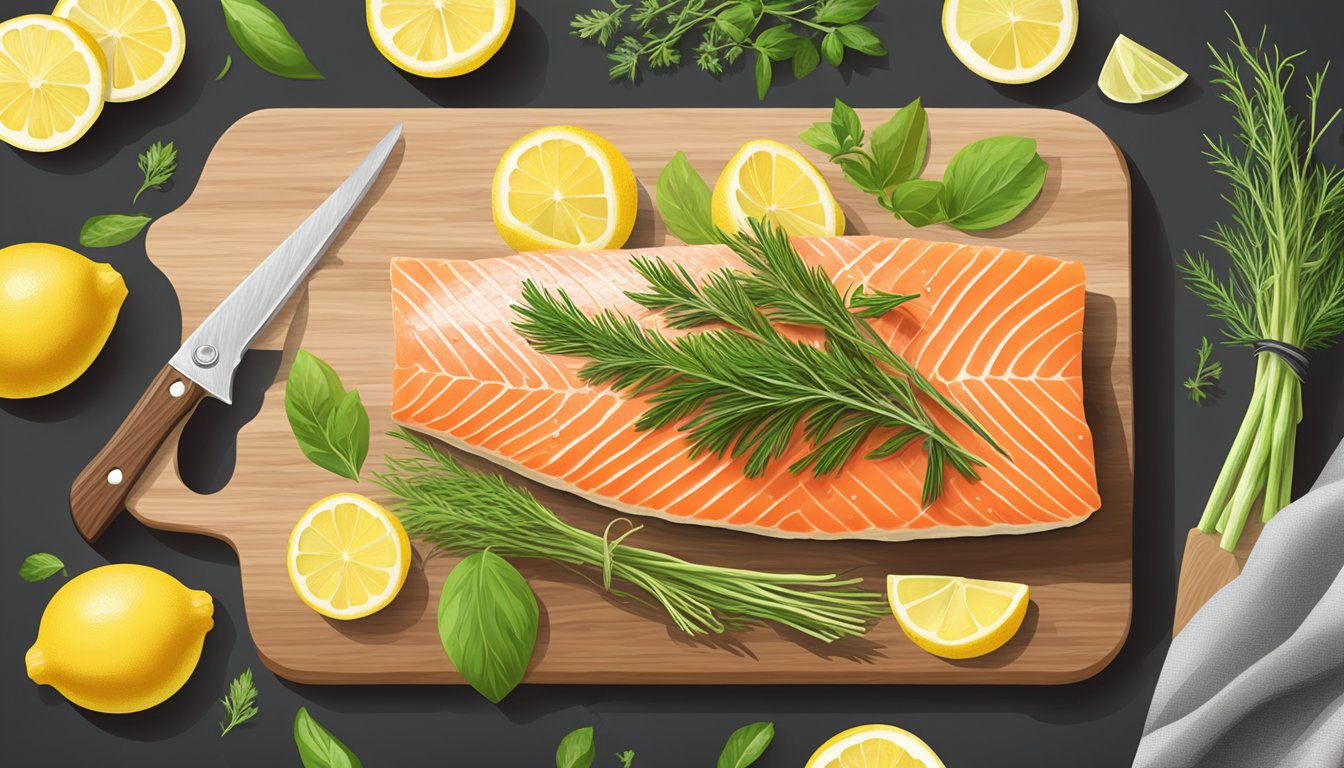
(1256,679)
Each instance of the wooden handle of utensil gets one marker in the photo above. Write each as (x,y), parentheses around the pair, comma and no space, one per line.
(99,492)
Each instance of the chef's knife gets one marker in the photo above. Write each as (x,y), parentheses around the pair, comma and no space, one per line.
(205,364)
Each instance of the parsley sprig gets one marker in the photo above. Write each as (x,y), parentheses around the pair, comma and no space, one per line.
(240,703)
(158,164)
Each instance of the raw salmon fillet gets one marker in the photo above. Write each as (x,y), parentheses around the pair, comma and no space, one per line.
(1000,332)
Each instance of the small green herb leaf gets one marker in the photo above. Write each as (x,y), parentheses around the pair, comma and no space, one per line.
(821,137)
(684,202)
(900,145)
(989,182)
(317,747)
(746,745)
(329,423)
(844,11)
(157,164)
(847,126)
(833,48)
(862,39)
(778,43)
(1206,375)
(627,758)
(111,229)
(737,21)
(920,202)
(576,750)
(228,64)
(763,74)
(806,58)
(263,37)
(488,623)
(41,566)
(871,303)
(240,703)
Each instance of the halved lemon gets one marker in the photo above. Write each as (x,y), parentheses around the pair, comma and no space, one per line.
(957,618)
(771,181)
(439,38)
(564,187)
(875,746)
(1010,41)
(348,557)
(142,40)
(1133,74)
(52,79)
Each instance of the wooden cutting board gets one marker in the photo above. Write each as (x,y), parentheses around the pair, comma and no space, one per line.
(273,167)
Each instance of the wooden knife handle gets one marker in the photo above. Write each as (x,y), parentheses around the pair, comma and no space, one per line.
(99,492)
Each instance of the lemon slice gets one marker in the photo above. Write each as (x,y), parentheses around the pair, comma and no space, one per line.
(142,41)
(348,557)
(564,187)
(1133,74)
(768,180)
(875,746)
(1010,41)
(52,77)
(957,618)
(439,38)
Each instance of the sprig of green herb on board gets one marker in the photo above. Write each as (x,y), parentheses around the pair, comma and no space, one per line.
(987,183)
(262,36)
(488,621)
(746,745)
(157,164)
(1206,374)
(318,748)
(576,750)
(1286,278)
(329,423)
(463,512)
(746,389)
(240,703)
(41,566)
(653,34)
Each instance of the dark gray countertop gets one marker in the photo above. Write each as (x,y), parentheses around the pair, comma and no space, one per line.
(1179,447)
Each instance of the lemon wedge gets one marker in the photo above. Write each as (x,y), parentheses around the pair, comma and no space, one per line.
(1010,41)
(875,746)
(439,38)
(564,187)
(957,618)
(52,78)
(1133,74)
(142,41)
(771,181)
(348,557)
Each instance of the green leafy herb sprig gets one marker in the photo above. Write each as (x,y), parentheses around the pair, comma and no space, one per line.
(652,34)
(40,567)
(746,389)
(746,745)
(240,703)
(488,621)
(1206,374)
(463,512)
(987,183)
(627,758)
(329,423)
(576,750)
(158,163)
(318,748)
(263,38)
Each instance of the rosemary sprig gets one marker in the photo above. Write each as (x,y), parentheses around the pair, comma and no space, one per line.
(461,512)
(239,703)
(158,163)
(1206,374)
(746,389)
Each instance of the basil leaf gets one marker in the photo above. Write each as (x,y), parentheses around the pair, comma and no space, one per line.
(263,37)
(989,182)
(832,48)
(111,229)
(861,174)
(862,39)
(684,201)
(777,42)
(737,21)
(576,750)
(763,75)
(317,747)
(746,745)
(41,566)
(848,128)
(329,424)
(844,11)
(488,623)
(920,202)
(900,145)
(821,137)
(806,58)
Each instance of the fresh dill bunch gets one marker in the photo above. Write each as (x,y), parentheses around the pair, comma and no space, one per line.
(1206,375)
(157,164)
(239,703)
(461,512)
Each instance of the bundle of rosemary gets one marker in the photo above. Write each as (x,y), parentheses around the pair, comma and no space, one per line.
(463,512)
(1284,293)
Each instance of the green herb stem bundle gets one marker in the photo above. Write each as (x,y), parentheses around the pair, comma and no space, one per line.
(462,512)
(1286,284)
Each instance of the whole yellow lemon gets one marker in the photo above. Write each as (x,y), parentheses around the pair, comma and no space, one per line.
(120,638)
(57,309)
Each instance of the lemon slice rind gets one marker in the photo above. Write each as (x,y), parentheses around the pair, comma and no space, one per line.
(839,751)
(92,57)
(454,62)
(974,61)
(396,573)
(118,48)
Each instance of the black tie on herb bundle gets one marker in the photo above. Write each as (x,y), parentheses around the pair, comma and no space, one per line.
(745,389)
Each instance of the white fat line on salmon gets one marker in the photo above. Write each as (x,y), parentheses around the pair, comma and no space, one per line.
(1012,332)
(465,334)
(950,310)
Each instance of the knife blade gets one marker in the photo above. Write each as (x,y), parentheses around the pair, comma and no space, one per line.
(205,364)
